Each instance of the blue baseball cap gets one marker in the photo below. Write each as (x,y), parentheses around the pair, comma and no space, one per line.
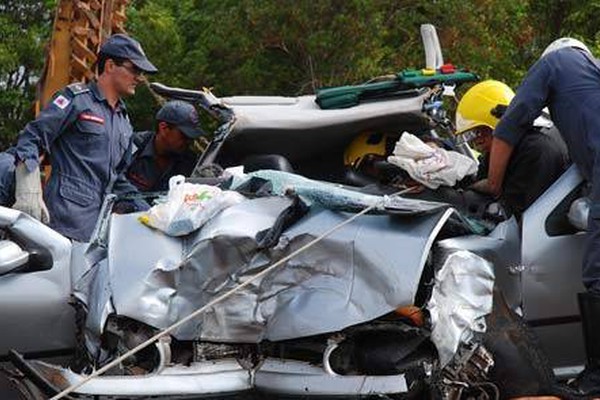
(126,47)
(182,115)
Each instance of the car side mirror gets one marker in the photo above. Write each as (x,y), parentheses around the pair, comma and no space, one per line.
(578,213)
(12,257)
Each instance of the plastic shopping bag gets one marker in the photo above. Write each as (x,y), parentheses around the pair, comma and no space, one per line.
(188,207)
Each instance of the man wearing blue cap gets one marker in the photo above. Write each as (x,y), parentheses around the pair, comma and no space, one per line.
(86,133)
(162,154)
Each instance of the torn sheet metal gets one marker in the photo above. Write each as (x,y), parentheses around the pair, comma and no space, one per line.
(362,271)
(461,298)
(338,197)
(217,377)
(289,115)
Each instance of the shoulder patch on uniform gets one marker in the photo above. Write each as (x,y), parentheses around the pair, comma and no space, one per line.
(61,102)
(78,88)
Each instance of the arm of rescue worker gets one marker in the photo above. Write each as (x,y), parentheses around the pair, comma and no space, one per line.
(524,108)
(123,187)
(40,133)
(482,186)
(499,158)
(528,103)
(7,179)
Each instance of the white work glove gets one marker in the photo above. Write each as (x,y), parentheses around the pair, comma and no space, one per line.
(28,193)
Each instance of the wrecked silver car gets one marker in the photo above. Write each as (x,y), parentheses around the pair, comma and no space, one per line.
(319,283)
(330,321)
(399,301)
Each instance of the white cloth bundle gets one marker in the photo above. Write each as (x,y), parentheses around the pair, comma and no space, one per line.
(431,166)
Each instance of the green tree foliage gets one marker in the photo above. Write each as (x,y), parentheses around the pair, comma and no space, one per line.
(24,31)
(576,18)
(292,47)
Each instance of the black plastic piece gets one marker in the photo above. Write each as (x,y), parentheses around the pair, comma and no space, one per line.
(267,161)
(588,381)
(354,178)
(177,93)
(521,367)
(589,307)
(40,259)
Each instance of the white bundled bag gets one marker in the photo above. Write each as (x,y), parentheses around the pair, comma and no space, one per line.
(188,207)
(431,166)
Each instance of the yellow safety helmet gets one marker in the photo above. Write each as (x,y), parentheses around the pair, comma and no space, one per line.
(365,144)
(479,106)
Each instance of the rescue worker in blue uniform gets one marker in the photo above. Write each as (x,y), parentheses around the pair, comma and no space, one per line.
(7,179)
(86,133)
(162,154)
(566,79)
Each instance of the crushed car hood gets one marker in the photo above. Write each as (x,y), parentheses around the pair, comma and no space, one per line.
(358,273)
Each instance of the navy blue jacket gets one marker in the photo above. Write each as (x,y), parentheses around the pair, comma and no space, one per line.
(89,144)
(567,81)
(7,179)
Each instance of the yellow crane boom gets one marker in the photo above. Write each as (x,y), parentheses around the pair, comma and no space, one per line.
(80,27)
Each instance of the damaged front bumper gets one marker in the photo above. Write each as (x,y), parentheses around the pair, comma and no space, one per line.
(261,371)
(210,378)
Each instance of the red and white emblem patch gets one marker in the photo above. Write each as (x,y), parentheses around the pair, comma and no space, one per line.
(61,102)
(91,117)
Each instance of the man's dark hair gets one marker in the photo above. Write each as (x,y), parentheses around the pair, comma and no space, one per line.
(102,58)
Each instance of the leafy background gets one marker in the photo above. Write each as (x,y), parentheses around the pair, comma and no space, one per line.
(292,47)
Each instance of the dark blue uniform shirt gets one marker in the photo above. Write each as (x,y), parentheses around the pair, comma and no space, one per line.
(568,82)
(89,144)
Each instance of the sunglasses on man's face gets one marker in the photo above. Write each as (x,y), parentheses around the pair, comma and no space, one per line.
(132,69)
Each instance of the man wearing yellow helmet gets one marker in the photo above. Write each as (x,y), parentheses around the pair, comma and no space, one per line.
(476,117)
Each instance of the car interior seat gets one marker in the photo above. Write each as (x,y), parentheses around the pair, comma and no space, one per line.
(257,162)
